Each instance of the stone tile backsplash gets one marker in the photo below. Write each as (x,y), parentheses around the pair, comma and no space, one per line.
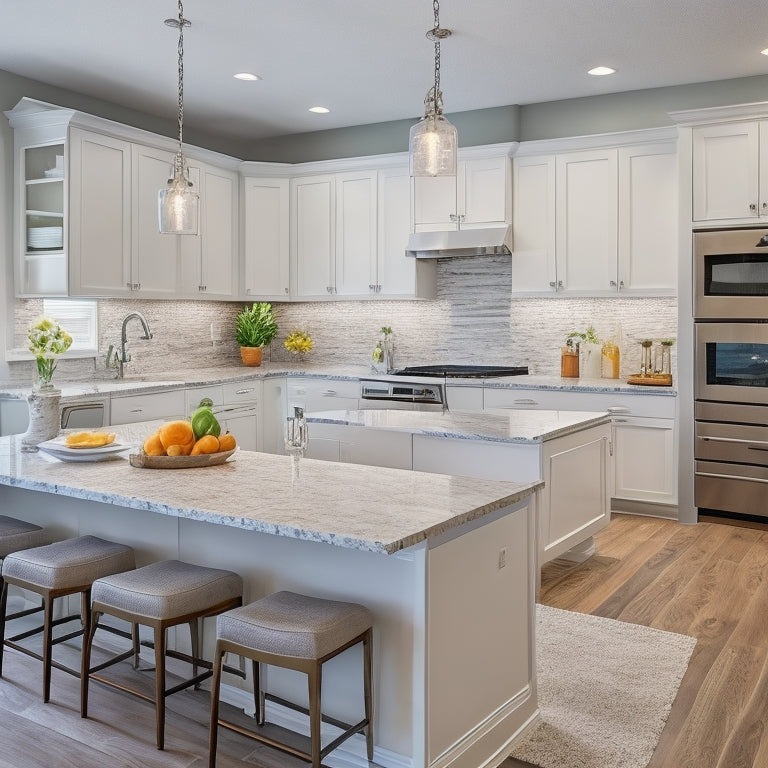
(475,319)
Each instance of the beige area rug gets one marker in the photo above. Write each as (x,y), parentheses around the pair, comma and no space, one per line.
(605,690)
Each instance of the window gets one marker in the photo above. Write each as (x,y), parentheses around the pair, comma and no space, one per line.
(79,318)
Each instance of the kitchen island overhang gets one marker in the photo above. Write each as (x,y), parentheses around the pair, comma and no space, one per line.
(418,549)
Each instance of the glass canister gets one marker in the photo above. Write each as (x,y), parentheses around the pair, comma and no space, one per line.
(666,356)
(610,360)
(646,357)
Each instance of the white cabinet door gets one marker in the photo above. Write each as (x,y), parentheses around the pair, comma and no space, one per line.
(645,467)
(587,221)
(244,426)
(314,243)
(159,405)
(265,251)
(486,190)
(100,215)
(209,259)
(533,259)
(399,275)
(435,203)
(155,256)
(464,398)
(356,238)
(648,216)
(725,172)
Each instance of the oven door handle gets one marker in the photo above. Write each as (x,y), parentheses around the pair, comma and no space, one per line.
(754,445)
(720,476)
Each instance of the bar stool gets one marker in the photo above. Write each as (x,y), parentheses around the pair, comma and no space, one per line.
(160,595)
(15,535)
(56,570)
(294,631)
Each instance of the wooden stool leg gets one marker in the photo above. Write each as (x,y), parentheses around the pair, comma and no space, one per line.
(47,647)
(315,681)
(160,641)
(85,663)
(218,660)
(3,606)
(367,692)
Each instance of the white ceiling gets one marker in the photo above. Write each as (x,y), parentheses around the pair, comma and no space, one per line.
(370,61)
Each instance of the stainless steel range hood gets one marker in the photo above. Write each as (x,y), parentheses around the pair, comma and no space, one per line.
(487,241)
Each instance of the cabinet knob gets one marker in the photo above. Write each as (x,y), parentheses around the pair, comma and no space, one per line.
(621,285)
(372,287)
(612,283)
(553,284)
(286,291)
(559,284)
(752,207)
(202,287)
(765,205)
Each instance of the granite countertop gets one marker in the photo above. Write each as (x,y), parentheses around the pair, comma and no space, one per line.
(334,503)
(504,426)
(75,390)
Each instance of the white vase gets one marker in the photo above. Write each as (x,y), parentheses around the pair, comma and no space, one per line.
(44,418)
(591,360)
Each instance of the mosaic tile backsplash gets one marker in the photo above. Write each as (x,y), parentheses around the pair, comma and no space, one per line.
(475,319)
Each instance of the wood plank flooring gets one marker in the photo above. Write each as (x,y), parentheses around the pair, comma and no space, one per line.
(709,580)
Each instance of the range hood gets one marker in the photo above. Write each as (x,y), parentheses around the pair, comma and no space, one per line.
(486,241)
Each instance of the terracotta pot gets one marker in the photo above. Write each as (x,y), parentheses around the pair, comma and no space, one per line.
(251,355)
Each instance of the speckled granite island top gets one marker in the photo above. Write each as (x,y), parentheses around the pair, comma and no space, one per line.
(357,507)
(506,426)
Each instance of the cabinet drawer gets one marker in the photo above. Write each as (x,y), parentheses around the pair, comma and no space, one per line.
(160,405)
(242,392)
(196,394)
(653,406)
(298,388)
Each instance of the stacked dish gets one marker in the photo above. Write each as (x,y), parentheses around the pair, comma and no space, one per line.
(45,237)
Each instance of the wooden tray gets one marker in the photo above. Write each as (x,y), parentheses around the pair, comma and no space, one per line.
(651,380)
(143,461)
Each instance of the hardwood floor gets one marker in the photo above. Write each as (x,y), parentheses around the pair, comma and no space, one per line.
(709,581)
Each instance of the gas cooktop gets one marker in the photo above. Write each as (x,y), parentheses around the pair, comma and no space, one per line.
(463,371)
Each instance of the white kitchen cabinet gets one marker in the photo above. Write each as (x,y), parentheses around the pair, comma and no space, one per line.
(357,445)
(730,171)
(313,394)
(273,413)
(266,254)
(127,409)
(398,275)
(209,260)
(464,398)
(479,195)
(644,436)
(354,264)
(601,222)
(14,416)
(313,236)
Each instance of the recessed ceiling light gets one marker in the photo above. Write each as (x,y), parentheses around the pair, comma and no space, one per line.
(246,76)
(320,110)
(601,71)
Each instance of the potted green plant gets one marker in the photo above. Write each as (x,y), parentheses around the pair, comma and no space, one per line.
(255,328)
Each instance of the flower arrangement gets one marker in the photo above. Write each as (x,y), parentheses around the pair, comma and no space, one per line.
(298,342)
(47,339)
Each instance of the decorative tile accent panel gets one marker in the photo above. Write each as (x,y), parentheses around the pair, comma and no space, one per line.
(474,319)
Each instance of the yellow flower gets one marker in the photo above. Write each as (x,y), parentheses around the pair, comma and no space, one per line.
(298,342)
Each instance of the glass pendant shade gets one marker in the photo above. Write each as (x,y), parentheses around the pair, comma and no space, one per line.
(177,204)
(433,147)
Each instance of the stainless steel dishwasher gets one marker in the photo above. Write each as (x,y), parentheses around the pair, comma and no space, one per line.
(90,414)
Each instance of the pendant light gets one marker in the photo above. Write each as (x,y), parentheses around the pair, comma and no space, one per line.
(434,142)
(177,204)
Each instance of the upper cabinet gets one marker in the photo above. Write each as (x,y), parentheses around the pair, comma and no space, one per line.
(730,171)
(597,222)
(106,242)
(266,222)
(479,195)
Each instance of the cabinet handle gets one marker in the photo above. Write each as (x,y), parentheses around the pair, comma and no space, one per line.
(136,410)
(329,393)
(621,285)
(617,409)
(765,205)
(137,286)
(612,283)
(553,284)
(525,401)
(202,287)
(244,391)
(752,207)
(559,285)
(286,291)
(372,287)
(378,288)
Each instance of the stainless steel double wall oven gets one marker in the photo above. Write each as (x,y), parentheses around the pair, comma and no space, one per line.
(731,371)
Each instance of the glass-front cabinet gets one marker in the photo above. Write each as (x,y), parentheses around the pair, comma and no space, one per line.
(42,237)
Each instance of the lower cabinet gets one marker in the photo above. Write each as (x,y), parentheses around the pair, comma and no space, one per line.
(643,439)
(127,409)
(356,445)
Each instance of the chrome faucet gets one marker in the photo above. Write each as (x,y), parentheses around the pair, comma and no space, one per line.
(118,359)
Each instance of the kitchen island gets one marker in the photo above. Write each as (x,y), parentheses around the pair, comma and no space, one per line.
(454,672)
(569,450)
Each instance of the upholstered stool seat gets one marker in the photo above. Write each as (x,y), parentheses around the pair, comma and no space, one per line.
(160,595)
(55,570)
(298,632)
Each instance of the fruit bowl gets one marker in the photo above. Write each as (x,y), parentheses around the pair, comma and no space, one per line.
(145,461)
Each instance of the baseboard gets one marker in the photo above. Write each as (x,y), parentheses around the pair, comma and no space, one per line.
(645,508)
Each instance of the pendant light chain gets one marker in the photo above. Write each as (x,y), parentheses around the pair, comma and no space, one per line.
(438,100)
(181,73)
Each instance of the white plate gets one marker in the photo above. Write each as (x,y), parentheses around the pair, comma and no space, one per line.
(59,450)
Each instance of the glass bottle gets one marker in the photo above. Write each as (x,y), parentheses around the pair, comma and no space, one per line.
(646,358)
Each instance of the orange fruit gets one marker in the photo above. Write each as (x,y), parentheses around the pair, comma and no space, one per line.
(227,442)
(176,450)
(176,433)
(206,444)
(153,446)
